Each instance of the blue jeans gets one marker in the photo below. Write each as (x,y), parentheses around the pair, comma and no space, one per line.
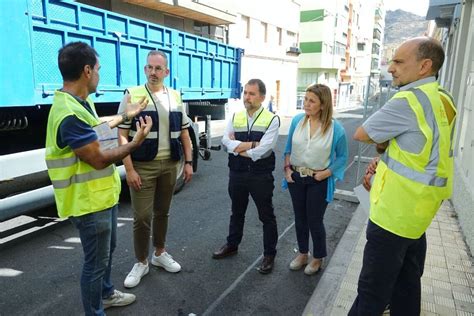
(309,205)
(98,233)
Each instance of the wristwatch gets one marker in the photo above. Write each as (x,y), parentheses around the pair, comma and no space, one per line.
(188,162)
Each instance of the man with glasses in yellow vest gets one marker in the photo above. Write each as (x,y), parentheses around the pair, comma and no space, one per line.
(413,176)
(152,170)
(82,171)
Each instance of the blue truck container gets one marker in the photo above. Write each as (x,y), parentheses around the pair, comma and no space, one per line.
(205,72)
(32,31)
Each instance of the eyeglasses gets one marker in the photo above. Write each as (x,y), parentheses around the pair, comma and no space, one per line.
(156,68)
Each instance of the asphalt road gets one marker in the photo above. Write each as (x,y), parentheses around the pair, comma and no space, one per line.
(40,275)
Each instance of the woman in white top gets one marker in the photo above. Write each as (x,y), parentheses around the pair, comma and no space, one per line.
(315,157)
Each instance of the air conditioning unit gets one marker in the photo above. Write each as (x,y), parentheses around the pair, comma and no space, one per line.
(293,50)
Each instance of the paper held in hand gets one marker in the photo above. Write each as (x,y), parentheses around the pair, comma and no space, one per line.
(107,137)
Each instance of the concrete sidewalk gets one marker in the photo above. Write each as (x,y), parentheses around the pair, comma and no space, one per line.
(448,279)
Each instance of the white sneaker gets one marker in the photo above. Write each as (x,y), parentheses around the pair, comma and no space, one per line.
(165,261)
(138,271)
(118,299)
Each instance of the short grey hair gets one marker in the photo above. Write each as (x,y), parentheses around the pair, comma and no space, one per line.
(159,53)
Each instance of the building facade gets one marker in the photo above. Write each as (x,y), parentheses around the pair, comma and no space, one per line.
(268,31)
(341,45)
(269,37)
(323,40)
(369,49)
(453,24)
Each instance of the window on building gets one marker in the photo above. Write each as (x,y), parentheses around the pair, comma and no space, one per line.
(220,33)
(201,29)
(215,32)
(340,49)
(326,76)
(280,35)
(377,34)
(174,22)
(265,32)
(307,78)
(291,37)
(246,23)
(375,49)
(375,64)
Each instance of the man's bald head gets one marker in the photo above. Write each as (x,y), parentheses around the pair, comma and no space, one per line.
(415,59)
(428,48)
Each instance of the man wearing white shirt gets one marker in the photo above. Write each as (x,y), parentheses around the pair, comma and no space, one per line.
(250,138)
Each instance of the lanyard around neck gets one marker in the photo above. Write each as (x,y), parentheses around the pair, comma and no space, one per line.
(153,99)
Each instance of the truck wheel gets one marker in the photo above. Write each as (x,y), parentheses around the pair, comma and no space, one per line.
(195,145)
(179,177)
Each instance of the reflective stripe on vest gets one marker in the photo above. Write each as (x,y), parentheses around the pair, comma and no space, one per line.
(151,134)
(79,189)
(428,177)
(84,177)
(61,162)
(425,178)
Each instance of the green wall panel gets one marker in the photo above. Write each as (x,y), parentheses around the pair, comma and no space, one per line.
(312,15)
(311,47)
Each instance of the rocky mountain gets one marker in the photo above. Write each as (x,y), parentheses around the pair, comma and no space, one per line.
(401,25)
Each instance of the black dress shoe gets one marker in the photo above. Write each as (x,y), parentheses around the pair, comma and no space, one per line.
(267,265)
(225,251)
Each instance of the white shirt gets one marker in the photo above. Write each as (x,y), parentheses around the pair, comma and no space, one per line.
(267,143)
(311,151)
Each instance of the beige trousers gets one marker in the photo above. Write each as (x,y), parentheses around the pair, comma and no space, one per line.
(151,204)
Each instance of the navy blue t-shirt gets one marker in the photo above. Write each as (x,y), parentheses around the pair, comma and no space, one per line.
(75,133)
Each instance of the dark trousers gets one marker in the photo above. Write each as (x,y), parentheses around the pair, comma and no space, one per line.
(391,273)
(260,187)
(309,205)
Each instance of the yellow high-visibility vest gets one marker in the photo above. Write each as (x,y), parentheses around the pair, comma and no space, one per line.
(252,133)
(260,125)
(79,189)
(408,188)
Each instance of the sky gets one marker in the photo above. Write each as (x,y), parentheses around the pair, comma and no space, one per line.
(418,7)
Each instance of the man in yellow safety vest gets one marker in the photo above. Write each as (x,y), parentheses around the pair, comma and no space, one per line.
(80,156)
(413,176)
